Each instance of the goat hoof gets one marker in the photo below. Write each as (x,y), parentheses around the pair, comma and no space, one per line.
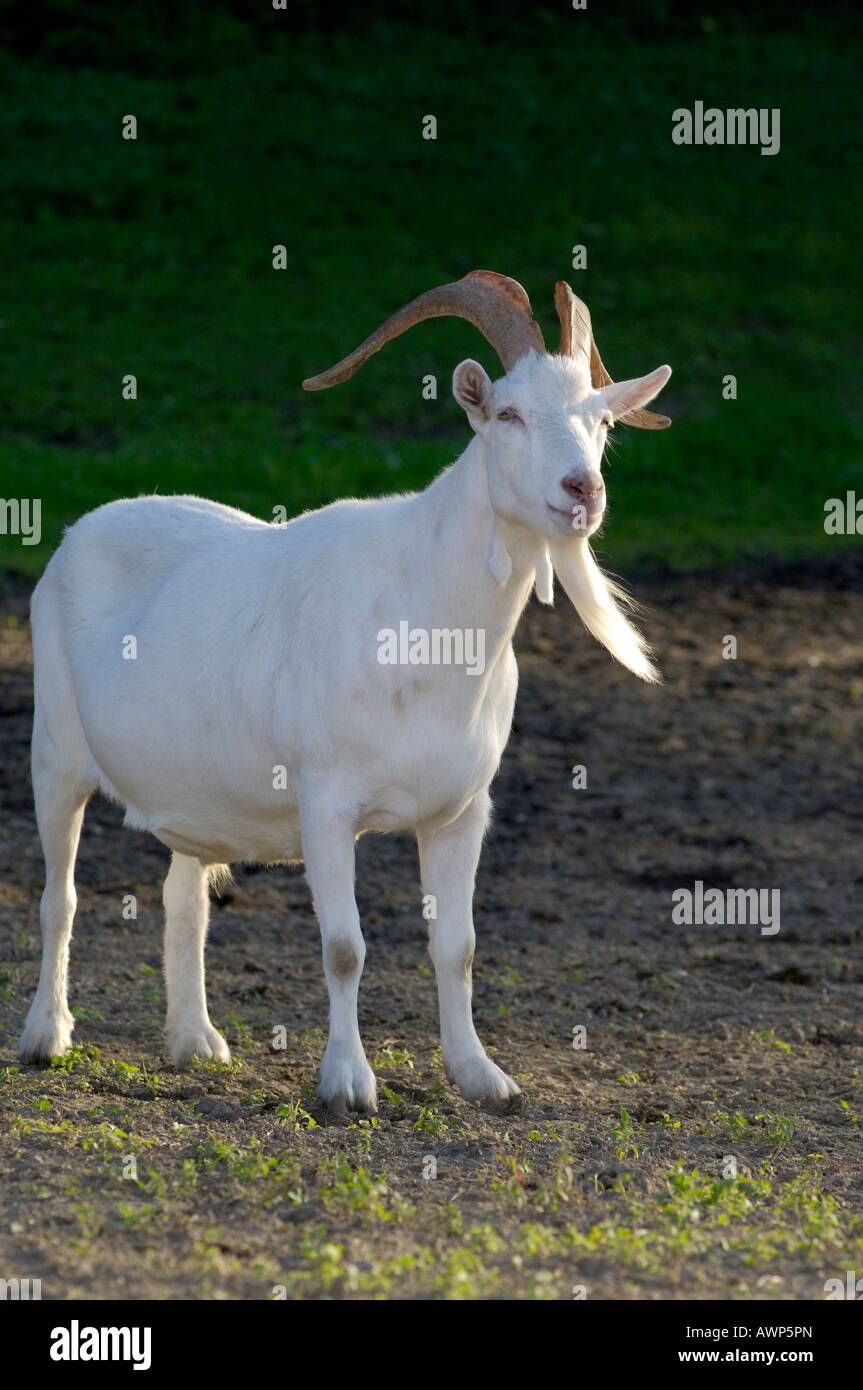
(479,1079)
(197,1040)
(511,1105)
(348,1083)
(46,1035)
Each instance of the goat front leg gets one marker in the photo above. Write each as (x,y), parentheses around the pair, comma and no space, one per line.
(448,863)
(347,1081)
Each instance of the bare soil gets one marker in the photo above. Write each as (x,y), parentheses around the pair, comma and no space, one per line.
(710,1050)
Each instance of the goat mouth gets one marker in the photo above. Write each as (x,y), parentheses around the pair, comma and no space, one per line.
(592,517)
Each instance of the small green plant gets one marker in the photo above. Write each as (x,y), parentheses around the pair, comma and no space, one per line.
(513,1178)
(189,1176)
(430,1122)
(733,1127)
(768,1036)
(625,1137)
(85,1014)
(778,1130)
(84,1057)
(389,1056)
(357,1191)
(508,979)
(137,1218)
(660,981)
(238,1033)
(294,1116)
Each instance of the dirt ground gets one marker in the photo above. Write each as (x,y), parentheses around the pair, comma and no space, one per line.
(705,1142)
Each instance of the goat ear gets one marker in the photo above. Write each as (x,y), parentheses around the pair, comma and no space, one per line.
(472,388)
(626,396)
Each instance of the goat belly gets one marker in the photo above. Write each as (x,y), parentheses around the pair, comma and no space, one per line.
(212,853)
(246,844)
(390,809)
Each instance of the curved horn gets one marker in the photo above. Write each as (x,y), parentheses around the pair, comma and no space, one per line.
(495,304)
(576,336)
(575,331)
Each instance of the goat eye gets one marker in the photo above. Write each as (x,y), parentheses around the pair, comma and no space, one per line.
(508,414)
(606,422)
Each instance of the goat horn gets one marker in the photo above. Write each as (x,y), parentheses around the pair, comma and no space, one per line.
(576,335)
(495,304)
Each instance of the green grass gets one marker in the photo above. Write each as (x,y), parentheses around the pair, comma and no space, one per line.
(154,258)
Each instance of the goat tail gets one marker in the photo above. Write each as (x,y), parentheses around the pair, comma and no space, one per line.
(597,600)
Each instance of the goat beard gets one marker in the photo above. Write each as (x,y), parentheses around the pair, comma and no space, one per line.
(598,601)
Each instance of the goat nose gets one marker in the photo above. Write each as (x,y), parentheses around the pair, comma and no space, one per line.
(580,487)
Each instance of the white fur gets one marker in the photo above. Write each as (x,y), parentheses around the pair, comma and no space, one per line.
(257,650)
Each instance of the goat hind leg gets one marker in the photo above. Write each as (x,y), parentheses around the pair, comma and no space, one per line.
(188,1028)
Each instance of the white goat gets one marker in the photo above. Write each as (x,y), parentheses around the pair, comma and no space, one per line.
(220,676)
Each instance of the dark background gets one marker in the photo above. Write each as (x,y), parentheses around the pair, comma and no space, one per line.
(303,128)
